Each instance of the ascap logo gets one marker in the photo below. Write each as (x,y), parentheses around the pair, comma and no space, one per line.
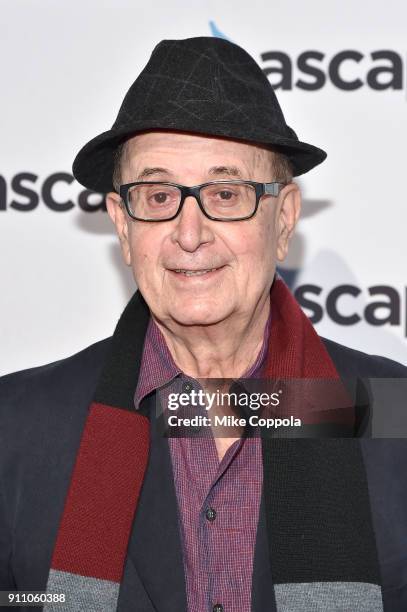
(382,304)
(57,191)
(348,70)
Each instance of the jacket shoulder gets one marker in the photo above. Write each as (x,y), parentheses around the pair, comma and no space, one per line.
(351,362)
(70,379)
(87,357)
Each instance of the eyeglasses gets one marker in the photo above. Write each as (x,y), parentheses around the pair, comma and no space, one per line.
(218,200)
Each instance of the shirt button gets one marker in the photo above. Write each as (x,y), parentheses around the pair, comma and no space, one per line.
(186,386)
(218,608)
(211,516)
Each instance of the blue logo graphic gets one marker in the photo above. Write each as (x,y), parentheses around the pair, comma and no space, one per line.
(216,32)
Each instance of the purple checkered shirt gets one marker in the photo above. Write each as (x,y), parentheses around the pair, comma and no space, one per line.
(218,501)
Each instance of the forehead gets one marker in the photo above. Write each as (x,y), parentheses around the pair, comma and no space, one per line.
(159,146)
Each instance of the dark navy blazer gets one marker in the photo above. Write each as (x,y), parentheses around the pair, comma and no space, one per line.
(42,414)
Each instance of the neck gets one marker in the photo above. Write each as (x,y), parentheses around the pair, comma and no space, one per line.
(224,350)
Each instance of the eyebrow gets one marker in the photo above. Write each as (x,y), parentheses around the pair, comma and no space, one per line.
(232,171)
(225,170)
(148,172)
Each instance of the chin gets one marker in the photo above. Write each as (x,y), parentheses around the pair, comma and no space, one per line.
(198,314)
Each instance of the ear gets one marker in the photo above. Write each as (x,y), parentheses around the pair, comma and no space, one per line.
(118,215)
(287,217)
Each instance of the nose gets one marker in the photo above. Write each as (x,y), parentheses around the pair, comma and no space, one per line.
(192,229)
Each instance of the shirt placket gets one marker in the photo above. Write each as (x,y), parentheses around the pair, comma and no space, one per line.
(212,523)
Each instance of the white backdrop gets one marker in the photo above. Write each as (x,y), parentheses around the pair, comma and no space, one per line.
(65,68)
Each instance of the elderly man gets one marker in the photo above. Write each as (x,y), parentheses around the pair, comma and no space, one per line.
(99,508)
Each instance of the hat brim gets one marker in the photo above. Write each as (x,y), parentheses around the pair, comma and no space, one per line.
(94,164)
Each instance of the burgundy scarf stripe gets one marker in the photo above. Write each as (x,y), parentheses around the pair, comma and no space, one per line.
(299,351)
(296,352)
(105,486)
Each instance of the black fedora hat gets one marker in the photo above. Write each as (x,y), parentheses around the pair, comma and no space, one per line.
(203,85)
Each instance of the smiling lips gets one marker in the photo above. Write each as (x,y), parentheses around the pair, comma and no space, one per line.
(195,272)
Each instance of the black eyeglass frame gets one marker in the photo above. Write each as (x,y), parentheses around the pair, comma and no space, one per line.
(261,189)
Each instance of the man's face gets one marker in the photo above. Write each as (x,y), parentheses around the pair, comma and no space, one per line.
(241,254)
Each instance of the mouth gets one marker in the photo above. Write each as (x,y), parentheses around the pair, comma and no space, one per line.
(182,272)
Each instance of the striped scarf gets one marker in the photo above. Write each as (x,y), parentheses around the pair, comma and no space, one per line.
(321,539)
